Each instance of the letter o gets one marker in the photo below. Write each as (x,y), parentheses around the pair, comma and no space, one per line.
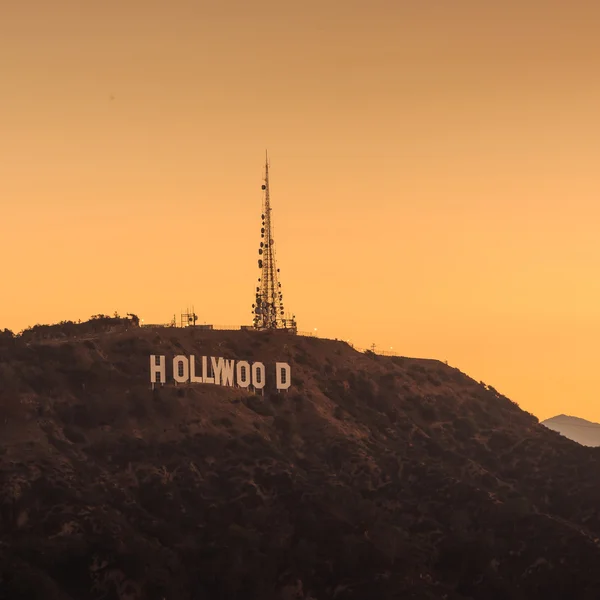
(181,369)
(243,373)
(258,376)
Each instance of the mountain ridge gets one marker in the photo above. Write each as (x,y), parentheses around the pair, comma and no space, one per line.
(371,477)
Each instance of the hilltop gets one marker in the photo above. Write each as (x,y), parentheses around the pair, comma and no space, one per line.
(586,433)
(372,477)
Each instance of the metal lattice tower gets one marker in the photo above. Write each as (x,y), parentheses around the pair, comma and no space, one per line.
(268,309)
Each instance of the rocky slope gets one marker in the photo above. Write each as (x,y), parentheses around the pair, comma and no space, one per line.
(372,477)
(579,430)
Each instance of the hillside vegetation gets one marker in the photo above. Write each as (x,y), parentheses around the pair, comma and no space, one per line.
(371,478)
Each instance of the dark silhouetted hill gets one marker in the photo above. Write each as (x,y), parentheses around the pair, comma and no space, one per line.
(586,433)
(372,478)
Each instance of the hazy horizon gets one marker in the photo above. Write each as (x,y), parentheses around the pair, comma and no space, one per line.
(433,174)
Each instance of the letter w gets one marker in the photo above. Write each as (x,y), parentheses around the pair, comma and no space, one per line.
(223,370)
(228,372)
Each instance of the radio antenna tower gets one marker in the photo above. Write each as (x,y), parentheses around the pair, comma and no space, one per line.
(268,310)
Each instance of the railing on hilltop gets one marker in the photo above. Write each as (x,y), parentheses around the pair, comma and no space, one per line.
(373,349)
(201,326)
(105,325)
(210,327)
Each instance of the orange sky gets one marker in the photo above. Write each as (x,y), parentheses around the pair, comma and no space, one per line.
(434,173)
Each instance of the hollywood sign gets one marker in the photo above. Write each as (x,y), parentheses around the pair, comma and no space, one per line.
(218,371)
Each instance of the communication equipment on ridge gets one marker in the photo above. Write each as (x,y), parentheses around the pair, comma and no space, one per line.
(268,311)
(188,318)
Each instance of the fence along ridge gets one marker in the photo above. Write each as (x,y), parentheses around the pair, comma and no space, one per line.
(300,333)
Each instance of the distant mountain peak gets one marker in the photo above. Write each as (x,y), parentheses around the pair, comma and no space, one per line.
(582,431)
(571,419)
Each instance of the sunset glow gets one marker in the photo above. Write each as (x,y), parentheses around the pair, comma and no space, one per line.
(433,166)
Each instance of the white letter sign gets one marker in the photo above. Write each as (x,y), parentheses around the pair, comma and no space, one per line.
(227,377)
(284,379)
(181,369)
(193,377)
(157,367)
(207,379)
(243,374)
(220,371)
(258,375)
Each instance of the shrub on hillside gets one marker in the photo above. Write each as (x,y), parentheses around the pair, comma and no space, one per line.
(392,414)
(225,421)
(74,435)
(282,424)
(387,381)
(381,403)
(442,374)
(433,379)
(417,373)
(445,406)
(499,440)
(138,404)
(302,358)
(10,383)
(43,380)
(276,398)
(363,386)
(165,406)
(258,405)
(428,412)
(298,400)
(464,427)
(7,338)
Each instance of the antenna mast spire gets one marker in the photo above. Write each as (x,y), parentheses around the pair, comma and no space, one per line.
(268,310)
